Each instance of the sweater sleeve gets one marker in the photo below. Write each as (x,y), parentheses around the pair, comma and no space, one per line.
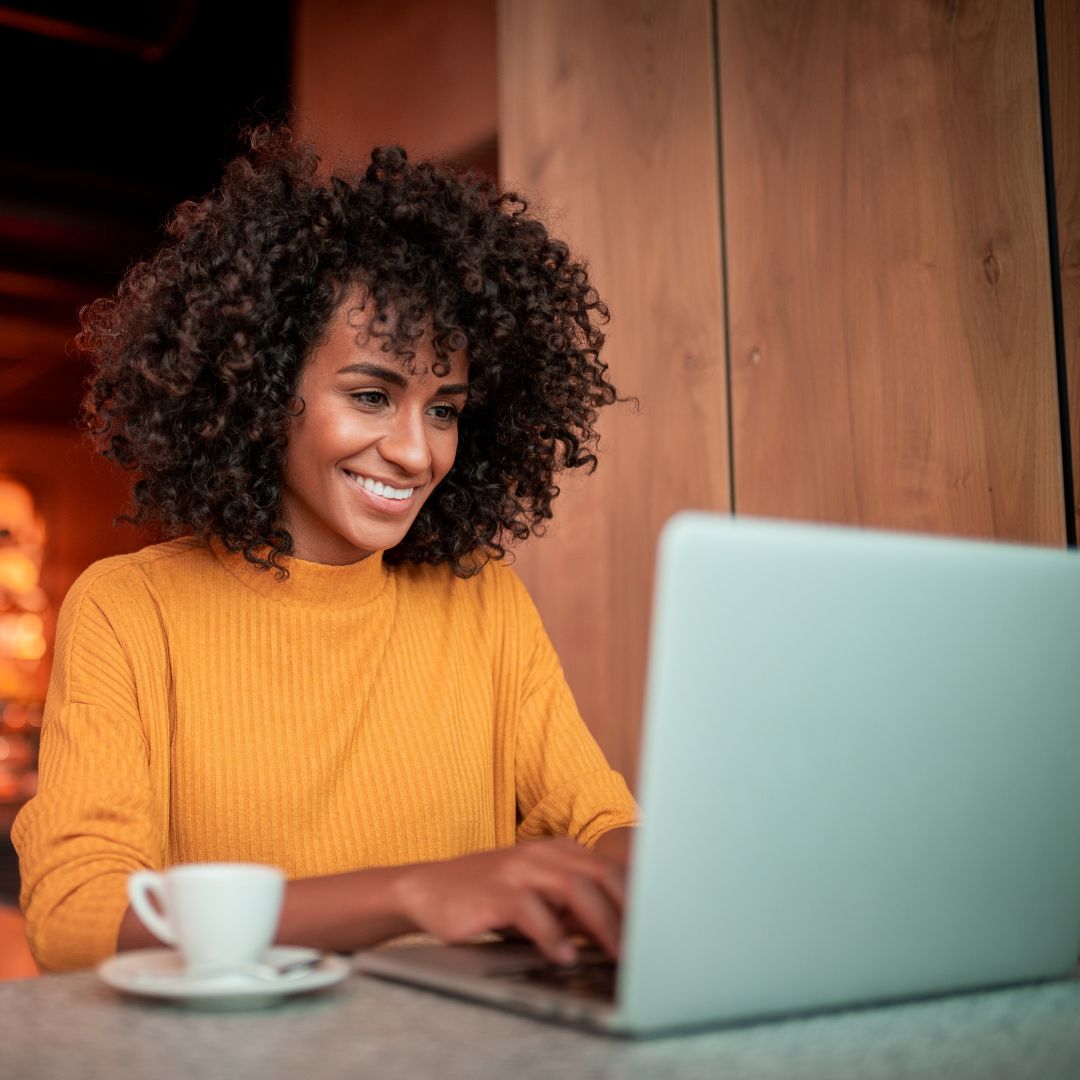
(564,784)
(92,822)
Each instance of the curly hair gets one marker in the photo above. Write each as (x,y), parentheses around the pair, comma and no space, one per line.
(198,356)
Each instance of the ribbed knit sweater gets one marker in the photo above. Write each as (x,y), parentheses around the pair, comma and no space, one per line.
(347,717)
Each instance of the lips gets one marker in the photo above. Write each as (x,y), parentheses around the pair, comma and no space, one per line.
(398,501)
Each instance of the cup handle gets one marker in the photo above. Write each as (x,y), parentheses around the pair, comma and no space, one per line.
(141,885)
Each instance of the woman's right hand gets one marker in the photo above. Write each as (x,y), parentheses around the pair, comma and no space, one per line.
(540,889)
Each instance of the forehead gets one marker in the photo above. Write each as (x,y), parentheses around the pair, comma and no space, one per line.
(354,343)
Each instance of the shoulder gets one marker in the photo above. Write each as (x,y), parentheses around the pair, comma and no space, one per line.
(126,577)
(113,608)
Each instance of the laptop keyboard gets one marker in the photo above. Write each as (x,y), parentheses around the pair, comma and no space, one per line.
(591,977)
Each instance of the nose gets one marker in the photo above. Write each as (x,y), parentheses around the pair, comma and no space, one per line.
(405,444)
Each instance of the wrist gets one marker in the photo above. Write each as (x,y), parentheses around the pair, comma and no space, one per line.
(381,895)
(342,912)
(616,845)
(401,885)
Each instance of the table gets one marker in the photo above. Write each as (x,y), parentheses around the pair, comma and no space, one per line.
(73,1026)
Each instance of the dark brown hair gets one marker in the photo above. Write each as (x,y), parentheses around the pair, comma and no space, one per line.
(198,356)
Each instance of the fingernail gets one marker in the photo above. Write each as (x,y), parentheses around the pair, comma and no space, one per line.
(566,953)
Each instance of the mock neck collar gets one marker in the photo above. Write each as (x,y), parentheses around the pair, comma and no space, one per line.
(310,583)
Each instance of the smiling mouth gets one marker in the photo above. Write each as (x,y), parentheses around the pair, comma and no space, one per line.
(379,489)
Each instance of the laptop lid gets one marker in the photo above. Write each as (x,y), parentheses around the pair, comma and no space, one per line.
(861,771)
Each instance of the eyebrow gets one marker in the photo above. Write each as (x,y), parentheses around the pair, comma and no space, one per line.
(396,378)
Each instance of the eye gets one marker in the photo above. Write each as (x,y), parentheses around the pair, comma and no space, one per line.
(373,398)
(446,414)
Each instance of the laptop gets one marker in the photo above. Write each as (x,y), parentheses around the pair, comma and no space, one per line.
(860,783)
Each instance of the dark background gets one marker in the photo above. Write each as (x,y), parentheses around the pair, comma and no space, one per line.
(113,114)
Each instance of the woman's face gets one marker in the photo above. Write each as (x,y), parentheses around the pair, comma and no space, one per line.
(371,444)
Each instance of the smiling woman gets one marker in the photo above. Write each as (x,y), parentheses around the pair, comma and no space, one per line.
(344,397)
(372,442)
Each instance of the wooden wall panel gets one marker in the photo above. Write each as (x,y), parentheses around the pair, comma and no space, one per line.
(890,320)
(607,114)
(1063,62)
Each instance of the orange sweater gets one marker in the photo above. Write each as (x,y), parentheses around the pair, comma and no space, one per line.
(347,717)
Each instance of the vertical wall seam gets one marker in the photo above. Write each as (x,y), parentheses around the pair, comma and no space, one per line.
(723,253)
(1055,273)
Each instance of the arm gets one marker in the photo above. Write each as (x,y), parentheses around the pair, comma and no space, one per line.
(95,818)
(536,889)
(338,913)
(616,846)
(563,783)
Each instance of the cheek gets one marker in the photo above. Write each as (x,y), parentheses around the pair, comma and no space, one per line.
(326,437)
(446,451)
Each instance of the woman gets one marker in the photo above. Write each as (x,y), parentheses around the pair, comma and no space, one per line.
(347,395)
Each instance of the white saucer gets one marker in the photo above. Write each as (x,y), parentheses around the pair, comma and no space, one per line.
(159,973)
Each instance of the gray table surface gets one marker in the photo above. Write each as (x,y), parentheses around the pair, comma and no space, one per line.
(63,1026)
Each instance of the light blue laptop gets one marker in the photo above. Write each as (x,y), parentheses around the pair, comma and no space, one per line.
(860,782)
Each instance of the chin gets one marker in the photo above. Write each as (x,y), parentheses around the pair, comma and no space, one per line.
(367,543)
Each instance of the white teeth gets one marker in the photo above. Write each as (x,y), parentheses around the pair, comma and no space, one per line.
(377,487)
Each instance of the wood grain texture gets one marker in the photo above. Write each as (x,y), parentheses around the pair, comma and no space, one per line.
(607,114)
(890,315)
(1063,62)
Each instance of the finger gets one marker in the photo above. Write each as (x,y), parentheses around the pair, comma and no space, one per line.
(612,879)
(539,923)
(592,908)
(572,858)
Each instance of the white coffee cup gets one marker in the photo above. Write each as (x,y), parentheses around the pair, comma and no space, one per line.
(220,916)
